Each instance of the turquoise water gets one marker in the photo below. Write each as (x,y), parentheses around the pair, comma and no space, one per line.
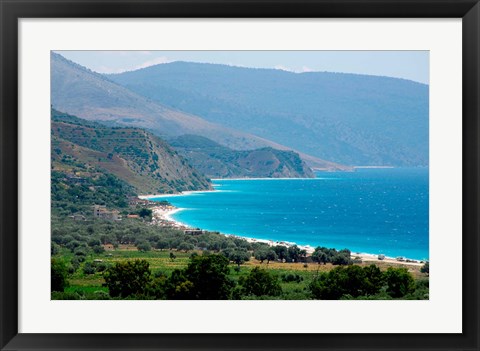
(370,210)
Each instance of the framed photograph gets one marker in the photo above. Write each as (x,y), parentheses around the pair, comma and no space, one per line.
(253,175)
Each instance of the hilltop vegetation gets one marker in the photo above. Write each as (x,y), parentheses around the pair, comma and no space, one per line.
(217,161)
(136,157)
(346,118)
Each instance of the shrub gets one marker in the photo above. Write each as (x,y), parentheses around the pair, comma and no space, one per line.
(185,246)
(374,280)
(292,277)
(71,269)
(75,261)
(60,295)
(80,251)
(94,242)
(260,282)
(72,245)
(54,248)
(145,212)
(239,256)
(425,268)
(205,278)
(58,277)
(128,278)
(399,282)
(98,249)
(88,268)
(351,280)
(101,267)
(162,244)
(144,246)
(324,255)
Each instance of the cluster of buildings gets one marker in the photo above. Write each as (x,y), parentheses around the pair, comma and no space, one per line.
(100,211)
(135,201)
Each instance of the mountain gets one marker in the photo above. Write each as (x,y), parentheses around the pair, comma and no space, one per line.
(217,161)
(92,96)
(136,157)
(346,118)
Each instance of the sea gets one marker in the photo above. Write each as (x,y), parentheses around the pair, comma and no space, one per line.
(375,210)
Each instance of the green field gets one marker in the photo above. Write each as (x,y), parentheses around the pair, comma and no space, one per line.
(91,286)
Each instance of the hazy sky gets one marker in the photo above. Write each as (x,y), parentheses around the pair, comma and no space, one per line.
(412,65)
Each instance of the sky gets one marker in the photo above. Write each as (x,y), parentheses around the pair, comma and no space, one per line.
(411,65)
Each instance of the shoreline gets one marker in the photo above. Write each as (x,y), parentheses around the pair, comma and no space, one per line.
(373,167)
(162,216)
(260,178)
(183,193)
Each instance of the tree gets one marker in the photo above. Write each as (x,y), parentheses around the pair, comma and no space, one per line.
(342,257)
(350,281)
(374,280)
(399,282)
(128,278)
(145,212)
(144,246)
(98,249)
(281,252)
(205,278)
(94,241)
(261,253)
(185,246)
(54,248)
(162,244)
(271,256)
(89,268)
(239,256)
(319,255)
(293,253)
(178,287)
(425,268)
(260,282)
(302,255)
(59,274)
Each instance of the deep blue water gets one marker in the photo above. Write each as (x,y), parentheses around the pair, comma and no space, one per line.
(370,210)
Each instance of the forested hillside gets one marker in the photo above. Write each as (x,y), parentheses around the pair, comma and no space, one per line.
(217,161)
(138,158)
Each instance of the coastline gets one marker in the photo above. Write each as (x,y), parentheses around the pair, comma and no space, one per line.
(247,178)
(183,193)
(162,216)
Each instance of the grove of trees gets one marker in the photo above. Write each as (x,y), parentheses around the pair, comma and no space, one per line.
(354,281)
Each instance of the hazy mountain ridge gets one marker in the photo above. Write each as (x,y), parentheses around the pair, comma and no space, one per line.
(89,95)
(217,161)
(133,155)
(347,118)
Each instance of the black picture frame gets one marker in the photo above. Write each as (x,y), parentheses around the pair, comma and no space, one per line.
(12,11)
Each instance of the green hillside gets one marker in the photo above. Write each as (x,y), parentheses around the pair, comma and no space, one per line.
(134,156)
(217,161)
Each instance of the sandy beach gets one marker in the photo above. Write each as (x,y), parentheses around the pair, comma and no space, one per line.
(183,193)
(162,217)
(365,257)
